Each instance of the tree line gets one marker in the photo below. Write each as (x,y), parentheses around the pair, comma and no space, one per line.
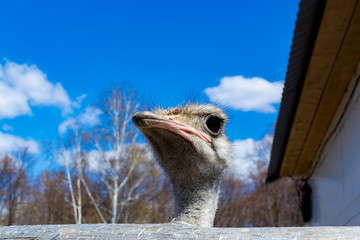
(104,175)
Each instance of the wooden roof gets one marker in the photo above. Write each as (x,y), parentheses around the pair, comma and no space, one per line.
(334,58)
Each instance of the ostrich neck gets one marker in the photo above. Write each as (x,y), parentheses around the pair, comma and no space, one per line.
(196,204)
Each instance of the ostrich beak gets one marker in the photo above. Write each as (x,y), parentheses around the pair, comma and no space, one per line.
(148,120)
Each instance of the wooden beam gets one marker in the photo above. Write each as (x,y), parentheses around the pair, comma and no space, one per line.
(334,59)
(343,69)
(172,231)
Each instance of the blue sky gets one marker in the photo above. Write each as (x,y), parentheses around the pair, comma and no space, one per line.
(167,50)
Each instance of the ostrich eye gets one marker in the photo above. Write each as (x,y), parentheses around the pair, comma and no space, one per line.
(213,124)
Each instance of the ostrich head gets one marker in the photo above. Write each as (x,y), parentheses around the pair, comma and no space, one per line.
(191,147)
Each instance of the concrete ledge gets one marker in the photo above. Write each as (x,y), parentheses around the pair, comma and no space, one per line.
(172,231)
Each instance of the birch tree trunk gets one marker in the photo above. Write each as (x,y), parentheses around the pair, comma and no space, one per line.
(119,109)
(74,200)
(69,157)
(111,139)
(78,180)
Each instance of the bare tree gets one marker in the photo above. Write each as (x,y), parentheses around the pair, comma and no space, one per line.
(108,152)
(253,203)
(70,155)
(115,140)
(276,203)
(47,204)
(14,185)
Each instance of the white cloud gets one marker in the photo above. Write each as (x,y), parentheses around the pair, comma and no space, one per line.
(6,127)
(22,85)
(95,159)
(247,94)
(10,143)
(65,157)
(89,118)
(65,125)
(12,102)
(79,99)
(246,152)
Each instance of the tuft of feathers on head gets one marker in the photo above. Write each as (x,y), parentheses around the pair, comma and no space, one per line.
(190,108)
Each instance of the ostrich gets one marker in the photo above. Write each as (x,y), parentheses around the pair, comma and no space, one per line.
(191,147)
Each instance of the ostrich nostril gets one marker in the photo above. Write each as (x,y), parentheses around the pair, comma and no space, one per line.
(138,121)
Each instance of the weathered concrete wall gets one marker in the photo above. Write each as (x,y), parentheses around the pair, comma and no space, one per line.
(336,179)
(172,231)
